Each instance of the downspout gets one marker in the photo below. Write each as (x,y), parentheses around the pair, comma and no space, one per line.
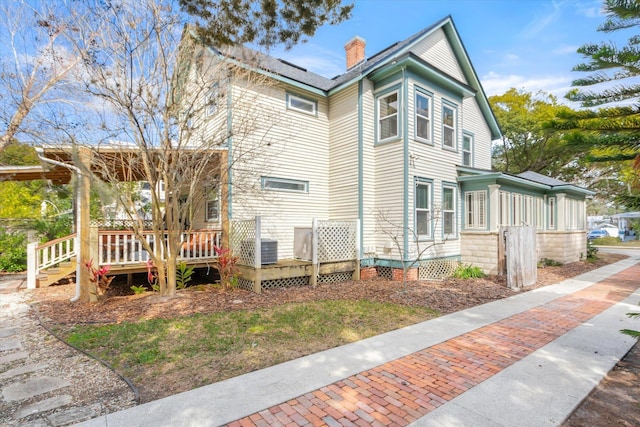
(405,137)
(76,297)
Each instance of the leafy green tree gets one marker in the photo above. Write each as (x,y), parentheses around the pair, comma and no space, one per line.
(20,199)
(265,22)
(611,133)
(527,145)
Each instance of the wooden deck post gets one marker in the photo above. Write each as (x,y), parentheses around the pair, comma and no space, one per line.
(84,247)
(356,272)
(257,258)
(32,264)
(313,280)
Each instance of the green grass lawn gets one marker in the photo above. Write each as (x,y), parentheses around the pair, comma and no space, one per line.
(187,352)
(614,241)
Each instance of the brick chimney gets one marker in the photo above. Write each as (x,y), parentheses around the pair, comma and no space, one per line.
(355,51)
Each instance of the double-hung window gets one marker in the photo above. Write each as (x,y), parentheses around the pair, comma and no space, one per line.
(388,116)
(212,212)
(475,209)
(449,211)
(423,209)
(467,150)
(448,126)
(423,117)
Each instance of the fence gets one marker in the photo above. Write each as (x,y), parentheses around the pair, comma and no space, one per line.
(518,244)
(330,241)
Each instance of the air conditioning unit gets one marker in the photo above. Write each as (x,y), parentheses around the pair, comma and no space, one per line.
(302,246)
(268,250)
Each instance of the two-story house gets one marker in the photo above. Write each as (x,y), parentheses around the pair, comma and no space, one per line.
(401,141)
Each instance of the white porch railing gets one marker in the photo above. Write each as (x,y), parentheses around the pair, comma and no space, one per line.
(121,247)
(47,255)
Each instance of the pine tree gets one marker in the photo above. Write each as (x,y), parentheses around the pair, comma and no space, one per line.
(612,132)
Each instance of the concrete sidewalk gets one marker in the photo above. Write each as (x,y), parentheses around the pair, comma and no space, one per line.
(525,360)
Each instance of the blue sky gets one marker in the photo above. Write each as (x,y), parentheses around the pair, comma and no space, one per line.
(526,44)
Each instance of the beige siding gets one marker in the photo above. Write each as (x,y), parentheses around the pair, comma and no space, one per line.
(474,122)
(284,144)
(436,50)
(433,161)
(389,201)
(343,166)
(369,175)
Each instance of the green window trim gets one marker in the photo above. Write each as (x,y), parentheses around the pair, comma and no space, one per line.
(449,211)
(388,117)
(423,209)
(449,126)
(423,116)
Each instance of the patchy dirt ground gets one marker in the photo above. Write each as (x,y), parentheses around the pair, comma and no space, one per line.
(614,402)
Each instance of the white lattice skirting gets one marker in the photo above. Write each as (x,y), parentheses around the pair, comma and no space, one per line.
(437,269)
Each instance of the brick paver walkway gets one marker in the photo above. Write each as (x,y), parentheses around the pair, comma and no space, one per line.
(399,392)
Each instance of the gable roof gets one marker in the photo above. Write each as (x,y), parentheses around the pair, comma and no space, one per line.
(299,76)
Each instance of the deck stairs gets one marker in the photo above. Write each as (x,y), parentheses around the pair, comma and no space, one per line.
(54,274)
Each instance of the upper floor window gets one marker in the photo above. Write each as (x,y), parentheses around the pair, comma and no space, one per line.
(475,203)
(211,100)
(467,150)
(302,105)
(388,116)
(448,126)
(285,184)
(449,211)
(423,116)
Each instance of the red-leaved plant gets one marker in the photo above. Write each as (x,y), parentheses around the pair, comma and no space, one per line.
(227,267)
(98,278)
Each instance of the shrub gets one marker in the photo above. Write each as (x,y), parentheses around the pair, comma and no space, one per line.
(592,251)
(13,251)
(183,275)
(227,267)
(468,272)
(548,262)
(138,289)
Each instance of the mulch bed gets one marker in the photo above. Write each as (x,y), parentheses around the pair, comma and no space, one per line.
(447,296)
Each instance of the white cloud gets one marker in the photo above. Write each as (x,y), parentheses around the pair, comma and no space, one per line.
(540,22)
(564,50)
(317,59)
(590,9)
(497,84)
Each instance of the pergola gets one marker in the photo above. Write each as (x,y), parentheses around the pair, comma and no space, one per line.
(60,163)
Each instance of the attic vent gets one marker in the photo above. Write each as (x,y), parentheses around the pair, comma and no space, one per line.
(292,65)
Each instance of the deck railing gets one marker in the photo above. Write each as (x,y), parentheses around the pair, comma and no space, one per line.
(47,255)
(122,247)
